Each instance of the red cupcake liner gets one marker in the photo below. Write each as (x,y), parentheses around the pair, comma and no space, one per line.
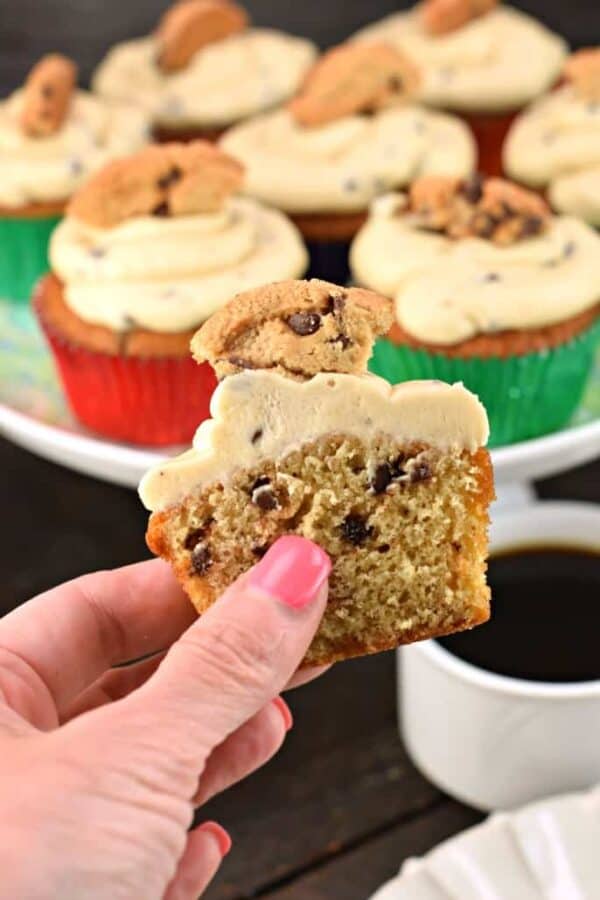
(490,133)
(153,401)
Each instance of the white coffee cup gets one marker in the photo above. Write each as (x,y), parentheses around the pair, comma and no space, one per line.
(497,742)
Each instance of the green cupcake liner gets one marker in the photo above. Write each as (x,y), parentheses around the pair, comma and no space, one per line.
(23,254)
(525,396)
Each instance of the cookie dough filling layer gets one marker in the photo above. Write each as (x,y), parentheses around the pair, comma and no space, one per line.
(223,82)
(493,63)
(169,274)
(256,415)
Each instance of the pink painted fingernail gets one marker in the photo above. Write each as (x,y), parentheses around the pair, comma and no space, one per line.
(285,711)
(219,834)
(293,570)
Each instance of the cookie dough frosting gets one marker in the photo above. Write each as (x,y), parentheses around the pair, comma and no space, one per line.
(441,415)
(224,82)
(494,63)
(447,291)
(44,169)
(170,274)
(343,165)
(556,143)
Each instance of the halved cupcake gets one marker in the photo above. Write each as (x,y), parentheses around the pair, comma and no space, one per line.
(555,144)
(150,247)
(352,133)
(479,58)
(52,136)
(394,483)
(204,69)
(489,289)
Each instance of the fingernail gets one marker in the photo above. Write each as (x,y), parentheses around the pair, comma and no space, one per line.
(293,570)
(219,834)
(285,711)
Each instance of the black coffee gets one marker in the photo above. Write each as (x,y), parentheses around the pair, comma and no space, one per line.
(545,623)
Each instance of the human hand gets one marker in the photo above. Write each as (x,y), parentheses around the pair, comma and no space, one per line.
(102,768)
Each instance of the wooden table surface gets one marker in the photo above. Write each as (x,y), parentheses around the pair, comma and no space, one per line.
(339,809)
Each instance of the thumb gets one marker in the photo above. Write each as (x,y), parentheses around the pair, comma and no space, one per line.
(238,656)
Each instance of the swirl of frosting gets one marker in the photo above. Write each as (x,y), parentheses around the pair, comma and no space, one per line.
(170,274)
(495,63)
(45,169)
(223,83)
(342,166)
(449,291)
(556,143)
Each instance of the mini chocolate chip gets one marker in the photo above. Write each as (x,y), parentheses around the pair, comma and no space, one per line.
(259,550)
(47,90)
(336,304)
(75,166)
(350,185)
(240,362)
(304,323)
(194,535)
(456,546)
(492,276)
(472,188)
(264,498)
(97,252)
(384,548)
(201,559)
(342,339)
(420,471)
(171,177)
(569,249)
(256,436)
(382,477)
(395,83)
(532,225)
(162,209)
(355,529)
(397,467)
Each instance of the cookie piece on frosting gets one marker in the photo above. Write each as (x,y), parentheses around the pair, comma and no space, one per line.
(393,482)
(354,78)
(166,180)
(190,25)
(296,328)
(582,70)
(443,16)
(494,209)
(47,95)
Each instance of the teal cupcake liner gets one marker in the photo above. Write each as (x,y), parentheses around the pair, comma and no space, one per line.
(23,254)
(525,396)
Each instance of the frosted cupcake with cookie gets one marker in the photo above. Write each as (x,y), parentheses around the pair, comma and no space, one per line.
(394,483)
(52,136)
(150,247)
(204,69)
(353,132)
(554,145)
(489,288)
(479,58)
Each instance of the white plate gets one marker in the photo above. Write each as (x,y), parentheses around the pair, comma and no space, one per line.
(33,415)
(545,851)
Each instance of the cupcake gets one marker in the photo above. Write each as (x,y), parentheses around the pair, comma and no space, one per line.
(555,144)
(480,59)
(351,133)
(204,69)
(149,248)
(51,137)
(393,483)
(489,289)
